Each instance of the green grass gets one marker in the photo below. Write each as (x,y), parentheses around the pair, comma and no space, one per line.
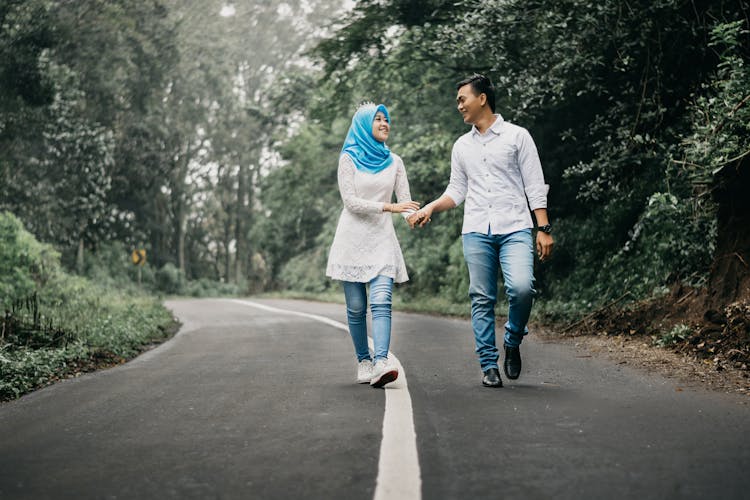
(91,327)
(58,325)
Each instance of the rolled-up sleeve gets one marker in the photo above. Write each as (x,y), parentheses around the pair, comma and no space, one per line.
(458,184)
(531,172)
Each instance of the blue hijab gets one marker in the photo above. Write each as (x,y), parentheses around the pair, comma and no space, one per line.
(368,154)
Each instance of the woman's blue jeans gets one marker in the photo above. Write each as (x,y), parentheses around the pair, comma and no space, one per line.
(514,254)
(381,289)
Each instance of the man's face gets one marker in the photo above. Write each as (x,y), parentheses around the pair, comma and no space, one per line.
(469,105)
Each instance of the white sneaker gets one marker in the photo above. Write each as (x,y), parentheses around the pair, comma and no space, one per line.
(383,373)
(364,371)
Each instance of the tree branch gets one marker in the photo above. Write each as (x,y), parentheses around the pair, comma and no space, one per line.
(597,311)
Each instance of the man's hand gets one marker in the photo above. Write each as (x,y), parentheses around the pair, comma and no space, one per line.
(544,244)
(420,217)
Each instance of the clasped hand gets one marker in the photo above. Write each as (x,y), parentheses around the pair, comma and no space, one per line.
(419,218)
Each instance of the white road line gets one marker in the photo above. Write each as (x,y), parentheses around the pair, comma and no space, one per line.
(399,476)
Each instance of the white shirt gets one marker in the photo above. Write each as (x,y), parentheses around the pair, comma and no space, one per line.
(365,244)
(500,177)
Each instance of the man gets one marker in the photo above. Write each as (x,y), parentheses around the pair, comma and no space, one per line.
(495,169)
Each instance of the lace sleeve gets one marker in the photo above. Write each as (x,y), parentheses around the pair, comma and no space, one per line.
(349,194)
(402,187)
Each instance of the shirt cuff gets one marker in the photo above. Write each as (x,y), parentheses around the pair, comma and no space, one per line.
(537,195)
(455,195)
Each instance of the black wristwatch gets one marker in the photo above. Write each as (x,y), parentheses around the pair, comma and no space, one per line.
(547,228)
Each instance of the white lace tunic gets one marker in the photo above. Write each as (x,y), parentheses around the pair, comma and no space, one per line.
(365,244)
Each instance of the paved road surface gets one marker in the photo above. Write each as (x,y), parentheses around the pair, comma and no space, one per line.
(251,403)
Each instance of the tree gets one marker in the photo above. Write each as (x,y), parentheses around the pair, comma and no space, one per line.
(605,89)
(94,68)
(715,158)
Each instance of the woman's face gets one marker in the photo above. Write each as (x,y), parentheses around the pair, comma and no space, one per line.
(380,127)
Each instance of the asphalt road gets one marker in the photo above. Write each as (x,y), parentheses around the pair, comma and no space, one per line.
(250,403)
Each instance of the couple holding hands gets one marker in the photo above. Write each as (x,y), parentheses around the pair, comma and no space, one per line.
(496,173)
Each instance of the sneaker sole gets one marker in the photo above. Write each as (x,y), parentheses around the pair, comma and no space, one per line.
(363,381)
(386,378)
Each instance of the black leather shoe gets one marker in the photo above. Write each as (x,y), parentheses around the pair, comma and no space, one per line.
(492,378)
(512,365)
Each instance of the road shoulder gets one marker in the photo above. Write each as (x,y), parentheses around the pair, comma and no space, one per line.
(638,353)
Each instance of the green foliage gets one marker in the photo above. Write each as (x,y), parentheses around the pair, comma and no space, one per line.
(54,322)
(210,288)
(668,243)
(110,266)
(300,198)
(677,334)
(26,30)
(169,279)
(89,70)
(306,272)
(24,262)
(620,117)
(161,124)
(720,113)
(24,370)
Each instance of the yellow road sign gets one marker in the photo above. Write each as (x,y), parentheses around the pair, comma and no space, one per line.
(138,257)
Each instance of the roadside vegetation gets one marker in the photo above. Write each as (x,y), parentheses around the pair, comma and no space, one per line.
(56,324)
(207,134)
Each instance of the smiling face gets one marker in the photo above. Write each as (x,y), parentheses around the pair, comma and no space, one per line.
(380,127)
(470,106)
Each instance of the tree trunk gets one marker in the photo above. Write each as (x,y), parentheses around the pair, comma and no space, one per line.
(227,254)
(181,237)
(240,236)
(227,262)
(79,257)
(180,197)
(249,223)
(729,280)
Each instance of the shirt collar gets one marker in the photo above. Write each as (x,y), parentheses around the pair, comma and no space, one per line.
(495,128)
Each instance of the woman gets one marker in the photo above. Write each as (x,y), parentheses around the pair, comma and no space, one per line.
(365,249)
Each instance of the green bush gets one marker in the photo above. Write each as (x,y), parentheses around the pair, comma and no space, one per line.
(209,288)
(110,265)
(307,272)
(169,279)
(676,334)
(24,262)
(23,370)
(55,322)
(670,242)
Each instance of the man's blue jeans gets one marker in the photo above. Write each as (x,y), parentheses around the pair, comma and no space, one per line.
(514,254)
(381,288)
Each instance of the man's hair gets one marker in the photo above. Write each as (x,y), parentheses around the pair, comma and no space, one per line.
(480,84)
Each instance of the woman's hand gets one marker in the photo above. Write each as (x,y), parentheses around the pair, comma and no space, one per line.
(397,208)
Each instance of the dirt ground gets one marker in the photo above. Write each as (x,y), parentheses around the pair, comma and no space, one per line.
(675,336)
(687,370)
